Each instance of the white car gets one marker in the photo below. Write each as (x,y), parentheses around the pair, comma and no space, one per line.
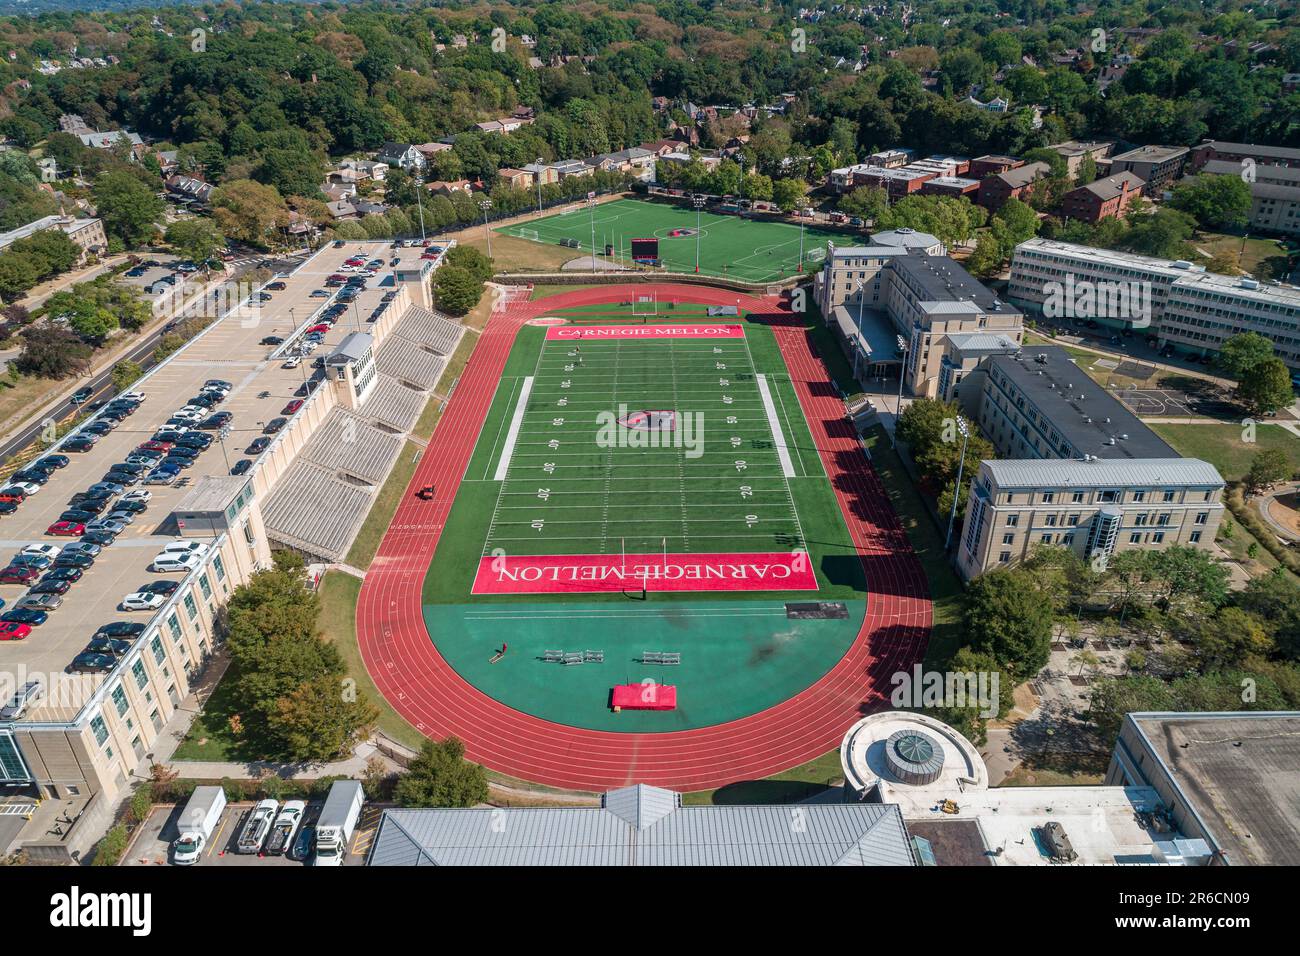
(188,415)
(258,825)
(185,546)
(142,495)
(28,488)
(293,361)
(50,551)
(167,563)
(142,601)
(133,396)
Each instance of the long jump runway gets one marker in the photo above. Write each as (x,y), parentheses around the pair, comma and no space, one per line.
(427,692)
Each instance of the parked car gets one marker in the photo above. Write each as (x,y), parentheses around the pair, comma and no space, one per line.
(81,443)
(37,561)
(142,601)
(101,538)
(31,616)
(271,340)
(258,445)
(67,529)
(77,559)
(292,407)
(108,645)
(31,475)
(256,827)
(51,462)
(106,524)
(109,487)
(241,467)
(195,440)
(63,572)
(165,588)
(76,516)
(133,506)
(120,629)
(79,548)
(24,697)
(35,602)
(170,563)
(92,663)
(8,506)
(274,425)
(28,488)
(50,587)
(13,631)
(160,478)
(216,420)
(50,551)
(18,574)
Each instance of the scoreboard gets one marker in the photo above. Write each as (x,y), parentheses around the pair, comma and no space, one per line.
(645,250)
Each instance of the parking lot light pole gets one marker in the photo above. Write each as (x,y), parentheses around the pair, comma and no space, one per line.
(901,344)
(485,205)
(698,202)
(956,491)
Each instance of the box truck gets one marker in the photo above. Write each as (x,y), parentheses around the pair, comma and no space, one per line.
(338,818)
(197,821)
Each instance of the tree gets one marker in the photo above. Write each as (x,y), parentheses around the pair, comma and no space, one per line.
(441,777)
(987,259)
(472,261)
(124,374)
(128,207)
(1268,467)
(457,288)
(1214,201)
(867,202)
(51,351)
(1266,387)
(1005,618)
(1013,224)
(249,211)
(1113,697)
(787,193)
(1240,353)
(197,240)
(322,719)
(1185,573)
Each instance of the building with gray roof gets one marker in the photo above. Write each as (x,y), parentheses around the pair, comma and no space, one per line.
(645,826)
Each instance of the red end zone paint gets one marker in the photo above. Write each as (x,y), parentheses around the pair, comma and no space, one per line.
(596,333)
(593,573)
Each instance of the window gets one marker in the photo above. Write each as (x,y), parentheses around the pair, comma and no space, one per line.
(1072,520)
(1013,521)
(119,700)
(1135,538)
(1157,537)
(1077,497)
(1109,495)
(219,568)
(174,625)
(1139,496)
(1050,521)
(1008,538)
(1202,517)
(1169,495)
(1194,537)
(191,608)
(155,645)
(1162,519)
(205,586)
(99,730)
(1046,539)
(137,671)
(1049,497)
(1005,557)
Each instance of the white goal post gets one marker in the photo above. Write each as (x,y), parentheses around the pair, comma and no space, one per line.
(643,304)
(530,234)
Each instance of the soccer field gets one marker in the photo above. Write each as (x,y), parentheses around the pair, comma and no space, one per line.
(644,446)
(748,249)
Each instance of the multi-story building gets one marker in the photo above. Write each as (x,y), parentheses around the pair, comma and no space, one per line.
(909,300)
(987,165)
(1235,153)
(1015,183)
(1101,199)
(86,233)
(1157,166)
(954,186)
(1180,304)
(1274,194)
(1074,153)
(1093,507)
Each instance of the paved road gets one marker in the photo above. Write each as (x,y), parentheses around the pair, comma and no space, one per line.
(141,353)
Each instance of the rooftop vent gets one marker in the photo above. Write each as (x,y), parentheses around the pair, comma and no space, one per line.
(1249,284)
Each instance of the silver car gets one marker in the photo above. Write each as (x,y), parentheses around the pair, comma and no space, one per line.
(39,602)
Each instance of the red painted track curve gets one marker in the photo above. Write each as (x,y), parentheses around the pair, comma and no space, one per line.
(425,690)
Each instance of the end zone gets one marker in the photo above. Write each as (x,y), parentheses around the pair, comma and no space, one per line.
(599,332)
(596,573)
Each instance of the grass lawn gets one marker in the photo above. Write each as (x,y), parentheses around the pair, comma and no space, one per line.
(1262,258)
(338,619)
(510,254)
(927,542)
(1223,447)
(797,783)
(730,246)
(385,505)
(546,291)
(1059,770)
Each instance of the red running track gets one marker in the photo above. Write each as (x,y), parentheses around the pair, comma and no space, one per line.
(424,689)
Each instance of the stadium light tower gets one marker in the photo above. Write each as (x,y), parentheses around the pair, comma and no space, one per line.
(591,209)
(485,205)
(956,490)
(537,177)
(698,202)
(799,206)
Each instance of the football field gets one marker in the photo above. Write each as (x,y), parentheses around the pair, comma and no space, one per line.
(641,446)
(755,250)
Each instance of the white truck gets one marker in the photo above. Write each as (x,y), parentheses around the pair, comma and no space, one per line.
(338,818)
(286,825)
(197,821)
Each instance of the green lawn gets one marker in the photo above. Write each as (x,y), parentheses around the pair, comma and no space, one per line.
(729,246)
(1223,445)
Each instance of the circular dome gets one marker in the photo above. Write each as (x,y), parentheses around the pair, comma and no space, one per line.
(913,757)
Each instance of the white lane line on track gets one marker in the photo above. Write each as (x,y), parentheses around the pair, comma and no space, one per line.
(512,435)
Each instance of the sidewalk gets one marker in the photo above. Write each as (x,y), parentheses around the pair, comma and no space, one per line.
(37,295)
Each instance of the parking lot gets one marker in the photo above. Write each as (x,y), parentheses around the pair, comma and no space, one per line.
(235,350)
(152,843)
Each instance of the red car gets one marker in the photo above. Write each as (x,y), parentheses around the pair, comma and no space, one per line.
(66,529)
(18,575)
(291,407)
(320,327)
(156,446)
(12,631)
(17,497)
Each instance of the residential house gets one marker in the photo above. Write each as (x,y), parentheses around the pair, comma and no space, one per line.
(401,156)
(188,188)
(1157,166)
(515,178)
(982,166)
(1074,153)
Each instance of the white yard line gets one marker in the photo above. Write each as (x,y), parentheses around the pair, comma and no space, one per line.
(521,406)
(782,452)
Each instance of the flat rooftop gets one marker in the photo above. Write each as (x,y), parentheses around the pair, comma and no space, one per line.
(228,349)
(940,279)
(1240,774)
(1150,154)
(1085,414)
(1151,266)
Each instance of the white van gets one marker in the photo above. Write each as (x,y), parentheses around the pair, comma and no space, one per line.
(169,562)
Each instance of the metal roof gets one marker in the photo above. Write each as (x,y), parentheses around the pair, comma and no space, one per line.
(353,347)
(645,826)
(1101,473)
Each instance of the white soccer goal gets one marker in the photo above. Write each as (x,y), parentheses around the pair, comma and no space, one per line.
(530,234)
(816,254)
(568,209)
(645,305)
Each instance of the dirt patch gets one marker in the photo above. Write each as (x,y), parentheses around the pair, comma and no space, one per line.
(1285,510)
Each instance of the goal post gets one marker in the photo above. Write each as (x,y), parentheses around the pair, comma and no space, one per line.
(530,234)
(645,304)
